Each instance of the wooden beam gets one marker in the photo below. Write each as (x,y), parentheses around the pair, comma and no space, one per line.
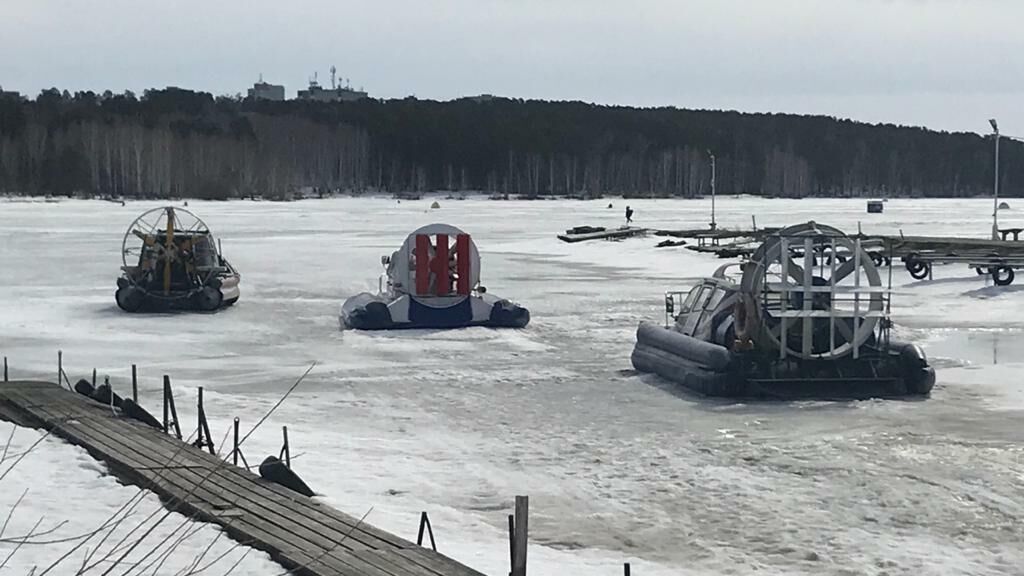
(521,536)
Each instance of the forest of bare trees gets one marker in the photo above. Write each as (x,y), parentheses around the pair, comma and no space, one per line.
(179,143)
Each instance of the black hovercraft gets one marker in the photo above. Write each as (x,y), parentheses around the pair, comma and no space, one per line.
(171,262)
(805,317)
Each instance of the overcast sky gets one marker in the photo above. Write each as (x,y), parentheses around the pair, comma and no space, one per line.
(945,64)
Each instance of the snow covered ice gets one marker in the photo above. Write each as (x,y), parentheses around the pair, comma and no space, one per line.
(619,467)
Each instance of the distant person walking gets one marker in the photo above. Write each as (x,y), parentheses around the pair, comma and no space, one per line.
(629,215)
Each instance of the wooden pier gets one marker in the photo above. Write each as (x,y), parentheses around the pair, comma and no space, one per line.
(303,535)
(988,256)
(584,233)
(708,240)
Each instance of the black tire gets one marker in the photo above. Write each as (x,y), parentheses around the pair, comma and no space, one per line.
(918,270)
(84,387)
(130,299)
(104,395)
(1002,275)
(876,259)
(132,410)
(275,471)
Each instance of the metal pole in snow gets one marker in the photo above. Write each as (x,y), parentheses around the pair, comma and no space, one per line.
(234,451)
(995,184)
(713,224)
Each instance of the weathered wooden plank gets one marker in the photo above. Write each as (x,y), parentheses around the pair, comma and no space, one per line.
(247,528)
(164,447)
(269,489)
(521,536)
(153,455)
(201,491)
(436,562)
(441,565)
(78,426)
(293,528)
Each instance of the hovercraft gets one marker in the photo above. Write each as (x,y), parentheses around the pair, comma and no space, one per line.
(171,262)
(432,281)
(806,317)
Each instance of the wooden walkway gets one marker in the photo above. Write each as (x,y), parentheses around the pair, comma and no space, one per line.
(603,234)
(904,245)
(298,532)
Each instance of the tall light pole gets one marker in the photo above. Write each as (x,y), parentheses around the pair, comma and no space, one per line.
(995,185)
(713,224)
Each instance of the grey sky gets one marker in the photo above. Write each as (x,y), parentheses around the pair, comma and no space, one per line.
(946,64)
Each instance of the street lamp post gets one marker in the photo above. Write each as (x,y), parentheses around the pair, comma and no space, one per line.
(995,184)
(713,224)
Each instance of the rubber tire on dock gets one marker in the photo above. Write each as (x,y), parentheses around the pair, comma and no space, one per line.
(103,394)
(274,470)
(84,388)
(132,410)
(1002,275)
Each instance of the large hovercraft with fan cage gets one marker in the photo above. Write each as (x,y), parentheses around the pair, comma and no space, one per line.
(172,262)
(432,281)
(806,316)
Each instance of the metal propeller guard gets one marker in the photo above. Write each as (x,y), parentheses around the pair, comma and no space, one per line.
(171,260)
(846,299)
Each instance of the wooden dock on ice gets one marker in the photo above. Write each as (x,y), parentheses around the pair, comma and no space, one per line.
(584,233)
(303,535)
(735,243)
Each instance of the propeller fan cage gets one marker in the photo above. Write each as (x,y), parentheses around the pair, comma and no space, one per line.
(172,245)
(817,294)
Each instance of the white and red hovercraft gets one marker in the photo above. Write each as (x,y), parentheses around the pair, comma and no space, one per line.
(432,281)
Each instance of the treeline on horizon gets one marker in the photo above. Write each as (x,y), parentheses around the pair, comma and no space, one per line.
(181,143)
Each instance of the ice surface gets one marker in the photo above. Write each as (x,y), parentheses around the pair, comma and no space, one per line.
(619,467)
